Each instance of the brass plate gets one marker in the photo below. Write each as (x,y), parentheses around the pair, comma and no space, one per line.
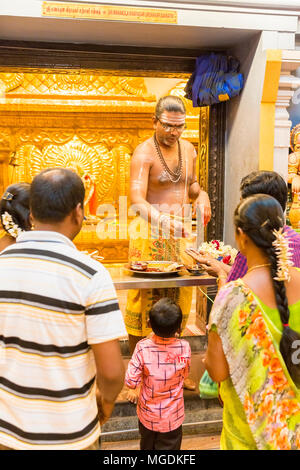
(153,273)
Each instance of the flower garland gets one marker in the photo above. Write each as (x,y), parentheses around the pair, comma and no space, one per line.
(8,224)
(284,255)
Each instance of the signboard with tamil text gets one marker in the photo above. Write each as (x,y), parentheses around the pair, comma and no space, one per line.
(108,12)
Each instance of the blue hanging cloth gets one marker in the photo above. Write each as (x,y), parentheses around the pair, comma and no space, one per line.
(216,78)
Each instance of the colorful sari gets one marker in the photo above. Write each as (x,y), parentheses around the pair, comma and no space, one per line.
(261,402)
(153,247)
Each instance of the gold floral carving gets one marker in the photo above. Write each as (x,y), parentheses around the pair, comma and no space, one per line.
(110,139)
(24,162)
(42,137)
(105,156)
(136,86)
(10,81)
(5,138)
(178,90)
(108,172)
(123,155)
(144,134)
(97,161)
(76,83)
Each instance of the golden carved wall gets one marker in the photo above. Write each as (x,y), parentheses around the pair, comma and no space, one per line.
(88,122)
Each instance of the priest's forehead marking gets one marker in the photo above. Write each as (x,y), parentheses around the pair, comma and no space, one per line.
(172,117)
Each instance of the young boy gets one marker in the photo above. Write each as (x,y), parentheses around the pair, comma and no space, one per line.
(161,362)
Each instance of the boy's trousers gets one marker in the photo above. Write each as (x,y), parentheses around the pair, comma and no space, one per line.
(154,440)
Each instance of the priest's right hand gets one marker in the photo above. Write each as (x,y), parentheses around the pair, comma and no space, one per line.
(173,227)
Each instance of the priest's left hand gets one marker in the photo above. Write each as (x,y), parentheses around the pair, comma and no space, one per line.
(203,203)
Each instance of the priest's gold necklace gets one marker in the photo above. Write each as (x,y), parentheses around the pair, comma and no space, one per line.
(258,266)
(174,176)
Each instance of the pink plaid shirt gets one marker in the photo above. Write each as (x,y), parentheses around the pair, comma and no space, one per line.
(161,364)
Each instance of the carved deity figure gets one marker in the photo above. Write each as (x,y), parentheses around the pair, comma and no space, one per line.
(294,160)
(90,200)
(294,177)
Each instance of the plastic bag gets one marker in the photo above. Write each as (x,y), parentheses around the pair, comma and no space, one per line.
(215,79)
(207,387)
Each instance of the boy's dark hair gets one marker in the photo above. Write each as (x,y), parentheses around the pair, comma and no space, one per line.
(54,193)
(165,317)
(17,205)
(265,182)
(169,103)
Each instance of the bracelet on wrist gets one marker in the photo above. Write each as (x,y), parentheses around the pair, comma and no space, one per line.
(222,276)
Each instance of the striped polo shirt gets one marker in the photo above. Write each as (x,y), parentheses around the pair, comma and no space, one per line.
(54,303)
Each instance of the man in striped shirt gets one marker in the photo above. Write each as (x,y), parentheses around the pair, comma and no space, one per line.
(59,328)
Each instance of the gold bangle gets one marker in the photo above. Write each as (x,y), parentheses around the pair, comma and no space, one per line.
(220,277)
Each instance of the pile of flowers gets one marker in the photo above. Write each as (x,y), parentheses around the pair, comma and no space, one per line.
(219,250)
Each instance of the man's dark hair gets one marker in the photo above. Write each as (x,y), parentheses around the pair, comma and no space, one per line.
(169,103)
(54,193)
(265,182)
(165,317)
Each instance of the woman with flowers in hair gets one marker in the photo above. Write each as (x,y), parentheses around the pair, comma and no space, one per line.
(254,336)
(14,213)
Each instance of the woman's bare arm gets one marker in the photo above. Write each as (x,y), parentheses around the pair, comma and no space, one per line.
(215,360)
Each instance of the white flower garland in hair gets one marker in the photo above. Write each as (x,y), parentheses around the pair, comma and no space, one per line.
(283,254)
(13,229)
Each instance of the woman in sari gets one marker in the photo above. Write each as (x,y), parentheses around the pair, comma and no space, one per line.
(14,213)
(254,336)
